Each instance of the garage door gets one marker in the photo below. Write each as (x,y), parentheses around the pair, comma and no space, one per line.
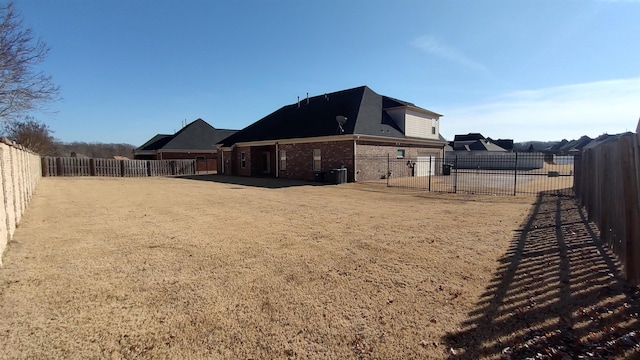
(425,165)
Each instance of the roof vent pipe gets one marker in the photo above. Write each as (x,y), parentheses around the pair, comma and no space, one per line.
(298,102)
(307,98)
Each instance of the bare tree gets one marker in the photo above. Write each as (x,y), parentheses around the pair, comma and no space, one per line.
(22,87)
(31,134)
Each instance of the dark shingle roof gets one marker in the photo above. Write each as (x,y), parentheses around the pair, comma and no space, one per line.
(156,142)
(468,137)
(316,116)
(477,145)
(197,135)
(576,145)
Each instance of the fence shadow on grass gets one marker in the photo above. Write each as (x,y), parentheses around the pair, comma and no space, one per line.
(556,294)
(263,182)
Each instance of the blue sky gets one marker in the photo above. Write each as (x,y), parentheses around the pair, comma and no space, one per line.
(520,69)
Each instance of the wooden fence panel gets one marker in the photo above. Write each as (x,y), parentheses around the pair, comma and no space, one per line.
(135,168)
(157,168)
(70,166)
(608,186)
(107,167)
(185,167)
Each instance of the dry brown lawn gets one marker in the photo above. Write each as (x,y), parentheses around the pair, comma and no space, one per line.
(178,268)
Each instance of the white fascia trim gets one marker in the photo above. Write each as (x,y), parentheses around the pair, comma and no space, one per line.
(144,152)
(415,108)
(432,142)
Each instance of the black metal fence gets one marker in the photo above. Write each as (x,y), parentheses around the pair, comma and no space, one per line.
(497,174)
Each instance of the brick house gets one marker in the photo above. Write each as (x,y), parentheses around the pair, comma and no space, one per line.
(344,129)
(195,140)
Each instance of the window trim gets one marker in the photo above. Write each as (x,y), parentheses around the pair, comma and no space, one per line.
(398,152)
(243,159)
(283,160)
(317,157)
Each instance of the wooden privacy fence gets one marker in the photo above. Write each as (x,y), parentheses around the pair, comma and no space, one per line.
(72,166)
(607,183)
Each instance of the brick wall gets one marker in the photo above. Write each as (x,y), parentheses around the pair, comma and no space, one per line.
(299,163)
(371,157)
(237,168)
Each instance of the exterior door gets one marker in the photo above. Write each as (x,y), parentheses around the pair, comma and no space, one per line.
(425,166)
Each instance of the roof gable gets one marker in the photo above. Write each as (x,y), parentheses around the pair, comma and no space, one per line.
(197,135)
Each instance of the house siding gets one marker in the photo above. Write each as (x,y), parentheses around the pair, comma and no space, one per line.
(415,124)
(371,157)
(418,125)
(334,154)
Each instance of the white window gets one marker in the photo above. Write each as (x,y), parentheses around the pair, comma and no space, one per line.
(243,160)
(317,160)
(400,154)
(433,130)
(283,160)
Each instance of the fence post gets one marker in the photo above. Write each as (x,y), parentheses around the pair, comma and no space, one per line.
(59,169)
(388,169)
(92,167)
(430,170)
(45,166)
(121,168)
(515,175)
(455,174)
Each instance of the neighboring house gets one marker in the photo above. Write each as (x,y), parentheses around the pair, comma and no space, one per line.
(601,140)
(475,142)
(356,129)
(574,147)
(197,140)
(474,151)
(506,144)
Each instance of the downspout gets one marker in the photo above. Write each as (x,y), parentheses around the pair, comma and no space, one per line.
(222,161)
(355,159)
(277,157)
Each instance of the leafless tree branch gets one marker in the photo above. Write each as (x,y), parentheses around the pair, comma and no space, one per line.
(22,87)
